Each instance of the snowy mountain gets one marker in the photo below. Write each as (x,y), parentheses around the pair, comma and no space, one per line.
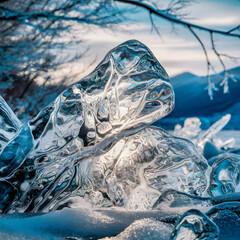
(192,100)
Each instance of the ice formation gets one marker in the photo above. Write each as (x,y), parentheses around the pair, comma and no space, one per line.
(93,147)
(192,131)
(225,175)
(127,91)
(132,174)
(195,225)
(142,166)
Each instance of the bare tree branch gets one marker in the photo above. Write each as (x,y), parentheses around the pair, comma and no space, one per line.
(35,40)
(170,14)
(171,18)
(234,29)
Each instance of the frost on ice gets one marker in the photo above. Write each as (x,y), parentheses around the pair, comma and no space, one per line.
(93,147)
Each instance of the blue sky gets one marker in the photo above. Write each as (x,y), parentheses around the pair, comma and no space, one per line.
(177,51)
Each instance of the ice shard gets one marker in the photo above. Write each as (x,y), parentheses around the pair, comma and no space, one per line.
(195,225)
(192,131)
(225,175)
(213,130)
(9,124)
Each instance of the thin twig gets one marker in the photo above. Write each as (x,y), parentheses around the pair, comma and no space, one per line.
(225,79)
(209,65)
(154,27)
(171,18)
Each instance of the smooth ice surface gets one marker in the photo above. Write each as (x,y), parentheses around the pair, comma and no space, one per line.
(195,225)
(9,124)
(225,175)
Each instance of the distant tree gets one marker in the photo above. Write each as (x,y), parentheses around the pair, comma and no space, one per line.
(35,37)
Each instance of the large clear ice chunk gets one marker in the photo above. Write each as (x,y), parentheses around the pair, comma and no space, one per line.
(128,90)
(50,155)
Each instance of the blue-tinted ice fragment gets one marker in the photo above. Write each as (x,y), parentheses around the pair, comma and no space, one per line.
(16,151)
(195,225)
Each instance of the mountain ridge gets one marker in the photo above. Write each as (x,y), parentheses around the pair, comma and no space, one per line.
(192,99)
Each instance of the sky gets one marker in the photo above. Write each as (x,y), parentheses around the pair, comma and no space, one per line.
(177,51)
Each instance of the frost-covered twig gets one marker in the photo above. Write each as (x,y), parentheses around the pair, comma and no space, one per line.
(171,18)
(171,14)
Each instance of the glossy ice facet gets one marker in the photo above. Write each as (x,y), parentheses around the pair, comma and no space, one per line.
(15,152)
(9,124)
(195,225)
(139,168)
(173,199)
(225,175)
